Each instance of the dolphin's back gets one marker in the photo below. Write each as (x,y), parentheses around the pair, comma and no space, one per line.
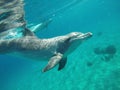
(30,47)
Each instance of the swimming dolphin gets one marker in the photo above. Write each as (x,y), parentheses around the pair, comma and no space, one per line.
(54,49)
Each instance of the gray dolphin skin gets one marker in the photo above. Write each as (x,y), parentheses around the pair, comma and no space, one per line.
(55,49)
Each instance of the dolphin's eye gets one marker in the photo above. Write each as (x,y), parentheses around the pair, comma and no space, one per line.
(74,33)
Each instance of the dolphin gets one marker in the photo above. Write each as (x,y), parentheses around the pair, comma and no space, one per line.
(55,50)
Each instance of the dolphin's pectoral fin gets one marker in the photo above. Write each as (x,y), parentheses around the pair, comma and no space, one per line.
(53,62)
(62,63)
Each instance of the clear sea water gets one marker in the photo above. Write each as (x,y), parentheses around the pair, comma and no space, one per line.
(85,69)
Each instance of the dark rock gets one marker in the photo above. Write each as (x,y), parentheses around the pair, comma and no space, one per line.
(89,64)
(106,53)
(111,49)
(98,50)
(99,33)
(107,58)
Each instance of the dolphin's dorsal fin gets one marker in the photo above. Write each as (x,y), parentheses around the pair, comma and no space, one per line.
(28,32)
(53,62)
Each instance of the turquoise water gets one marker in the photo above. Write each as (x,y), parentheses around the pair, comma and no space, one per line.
(85,69)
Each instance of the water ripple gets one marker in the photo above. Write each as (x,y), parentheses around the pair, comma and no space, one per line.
(11,15)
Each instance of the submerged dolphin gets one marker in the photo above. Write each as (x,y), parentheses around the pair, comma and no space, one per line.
(54,49)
